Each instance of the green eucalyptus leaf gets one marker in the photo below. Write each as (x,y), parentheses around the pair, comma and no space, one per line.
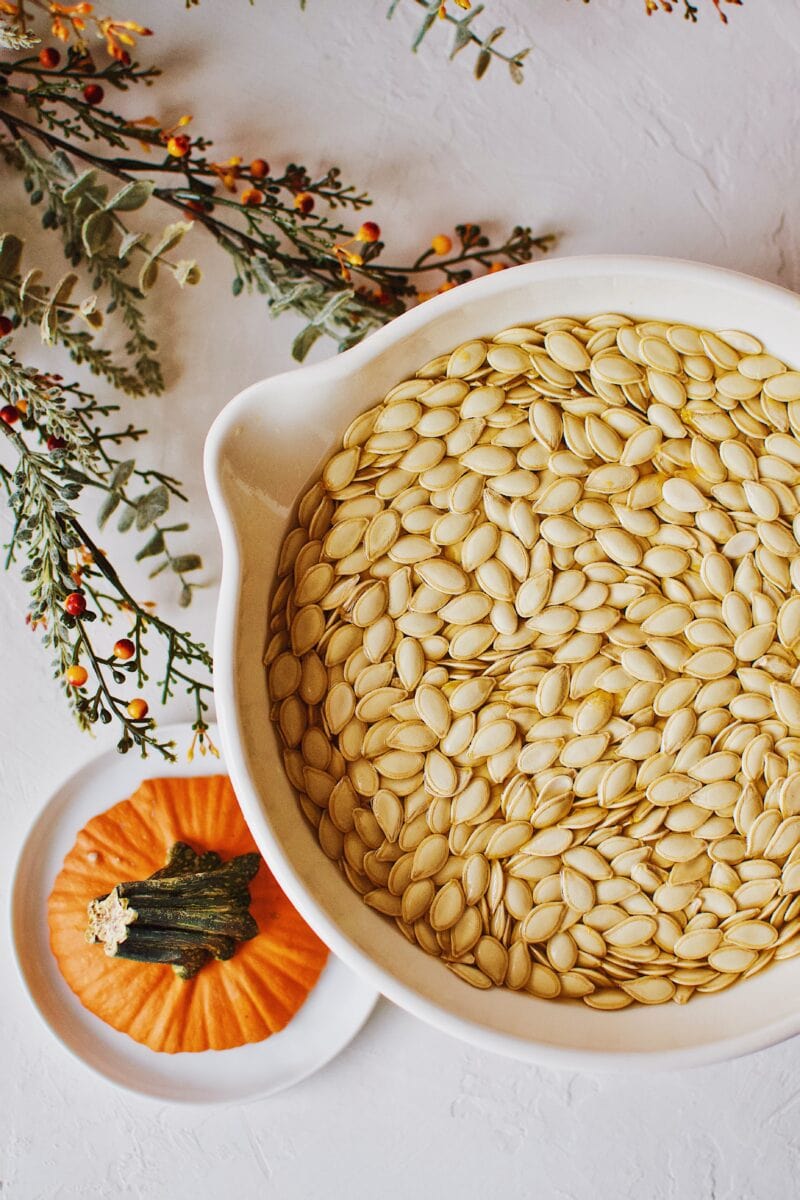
(171,236)
(151,506)
(90,313)
(83,206)
(337,301)
(186,562)
(109,506)
(134,195)
(427,21)
(126,518)
(63,163)
(10,254)
(81,185)
(122,473)
(187,272)
(96,231)
(63,289)
(304,341)
(129,241)
(154,546)
(148,274)
(30,291)
(482,64)
(463,37)
(48,326)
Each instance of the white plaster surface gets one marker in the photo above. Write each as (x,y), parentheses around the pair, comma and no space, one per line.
(629,134)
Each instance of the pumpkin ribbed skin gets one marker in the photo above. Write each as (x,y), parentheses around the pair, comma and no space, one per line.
(245,999)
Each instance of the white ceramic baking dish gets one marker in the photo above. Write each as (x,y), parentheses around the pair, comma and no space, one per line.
(261,452)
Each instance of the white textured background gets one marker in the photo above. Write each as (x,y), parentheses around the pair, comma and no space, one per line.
(628,135)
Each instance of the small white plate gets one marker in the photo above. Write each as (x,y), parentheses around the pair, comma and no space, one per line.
(332,1015)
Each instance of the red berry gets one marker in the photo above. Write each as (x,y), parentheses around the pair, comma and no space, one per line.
(55,443)
(252,197)
(124,649)
(75,604)
(304,202)
(5,326)
(49,57)
(93,93)
(259,168)
(10,414)
(76,676)
(178,145)
(369,232)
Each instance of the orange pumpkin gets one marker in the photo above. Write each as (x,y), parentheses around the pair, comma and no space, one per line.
(228,1003)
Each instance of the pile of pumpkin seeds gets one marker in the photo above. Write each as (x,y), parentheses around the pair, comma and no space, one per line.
(533,658)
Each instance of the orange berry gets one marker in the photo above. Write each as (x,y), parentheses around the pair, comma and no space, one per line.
(76,676)
(304,202)
(137,709)
(252,197)
(124,649)
(447,286)
(178,145)
(259,168)
(495,267)
(49,57)
(368,232)
(441,244)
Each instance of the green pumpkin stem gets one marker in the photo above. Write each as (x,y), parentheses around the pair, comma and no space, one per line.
(192,910)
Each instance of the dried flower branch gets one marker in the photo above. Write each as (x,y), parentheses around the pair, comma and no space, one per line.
(69,23)
(89,171)
(466,35)
(690,11)
(281,229)
(59,454)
